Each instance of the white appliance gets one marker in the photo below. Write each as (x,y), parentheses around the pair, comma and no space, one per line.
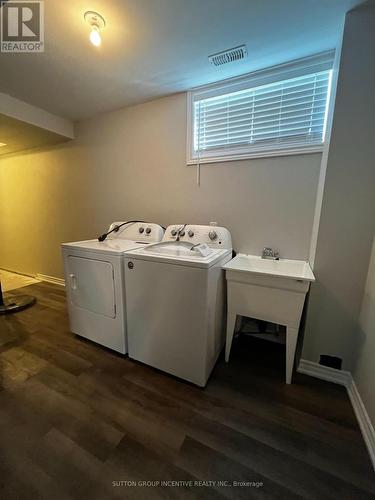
(175,300)
(94,281)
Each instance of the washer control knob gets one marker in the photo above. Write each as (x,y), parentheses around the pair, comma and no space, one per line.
(212,235)
(141,229)
(173,232)
(148,230)
(182,234)
(191,233)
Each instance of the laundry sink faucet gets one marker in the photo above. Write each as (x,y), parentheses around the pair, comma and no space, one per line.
(269,253)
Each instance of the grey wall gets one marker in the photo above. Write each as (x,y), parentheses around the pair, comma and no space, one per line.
(347,222)
(131,164)
(364,369)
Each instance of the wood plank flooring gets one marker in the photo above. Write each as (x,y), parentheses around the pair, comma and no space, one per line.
(80,422)
(11,281)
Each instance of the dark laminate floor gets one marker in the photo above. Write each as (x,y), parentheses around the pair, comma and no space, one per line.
(75,417)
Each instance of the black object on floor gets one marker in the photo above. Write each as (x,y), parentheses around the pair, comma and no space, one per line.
(330,361)
(15,303)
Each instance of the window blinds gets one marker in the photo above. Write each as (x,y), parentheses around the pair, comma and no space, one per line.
(281,115)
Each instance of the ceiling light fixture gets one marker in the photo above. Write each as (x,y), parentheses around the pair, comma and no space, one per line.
(97,23)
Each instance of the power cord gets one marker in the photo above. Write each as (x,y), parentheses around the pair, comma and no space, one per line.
(103,236)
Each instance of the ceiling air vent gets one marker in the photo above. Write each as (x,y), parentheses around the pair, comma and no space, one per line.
(228,56)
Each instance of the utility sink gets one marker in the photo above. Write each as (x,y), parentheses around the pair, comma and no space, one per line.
(283,268)
(270,290)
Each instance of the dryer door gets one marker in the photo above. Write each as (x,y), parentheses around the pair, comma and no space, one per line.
(92,285)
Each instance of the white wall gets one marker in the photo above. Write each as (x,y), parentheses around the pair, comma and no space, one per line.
(347,223)
(131,164)
(364,370)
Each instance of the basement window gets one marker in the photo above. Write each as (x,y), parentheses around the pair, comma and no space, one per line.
(274,112)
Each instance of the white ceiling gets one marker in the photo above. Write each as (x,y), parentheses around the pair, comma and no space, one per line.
(157,47)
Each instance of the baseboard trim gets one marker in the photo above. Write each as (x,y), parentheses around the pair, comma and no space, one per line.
(363,418)
(50,279)
(324,372)
(345,378)
(17,272)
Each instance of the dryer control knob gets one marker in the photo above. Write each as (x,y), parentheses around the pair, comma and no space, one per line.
(141,229)
(148,230)
(173,232)
(191,233)
(212,235)
(182,234)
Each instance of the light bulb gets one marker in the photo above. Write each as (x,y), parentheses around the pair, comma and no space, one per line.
(95,37)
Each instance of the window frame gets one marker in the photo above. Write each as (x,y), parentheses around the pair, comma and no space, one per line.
(308,65)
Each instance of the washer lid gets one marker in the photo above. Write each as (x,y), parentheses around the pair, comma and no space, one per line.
(115,246)
(180,253)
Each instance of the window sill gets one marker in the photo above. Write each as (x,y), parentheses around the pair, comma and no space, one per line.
(259,154)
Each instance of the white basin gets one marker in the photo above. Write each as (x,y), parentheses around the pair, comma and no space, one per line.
(270,290)
(170,249)
(283,268)
(174,249)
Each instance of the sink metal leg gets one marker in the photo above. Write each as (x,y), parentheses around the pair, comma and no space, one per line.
(291,342)
(231,321)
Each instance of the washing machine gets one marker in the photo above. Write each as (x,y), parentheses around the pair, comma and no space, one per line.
(94,281)
(175,300)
